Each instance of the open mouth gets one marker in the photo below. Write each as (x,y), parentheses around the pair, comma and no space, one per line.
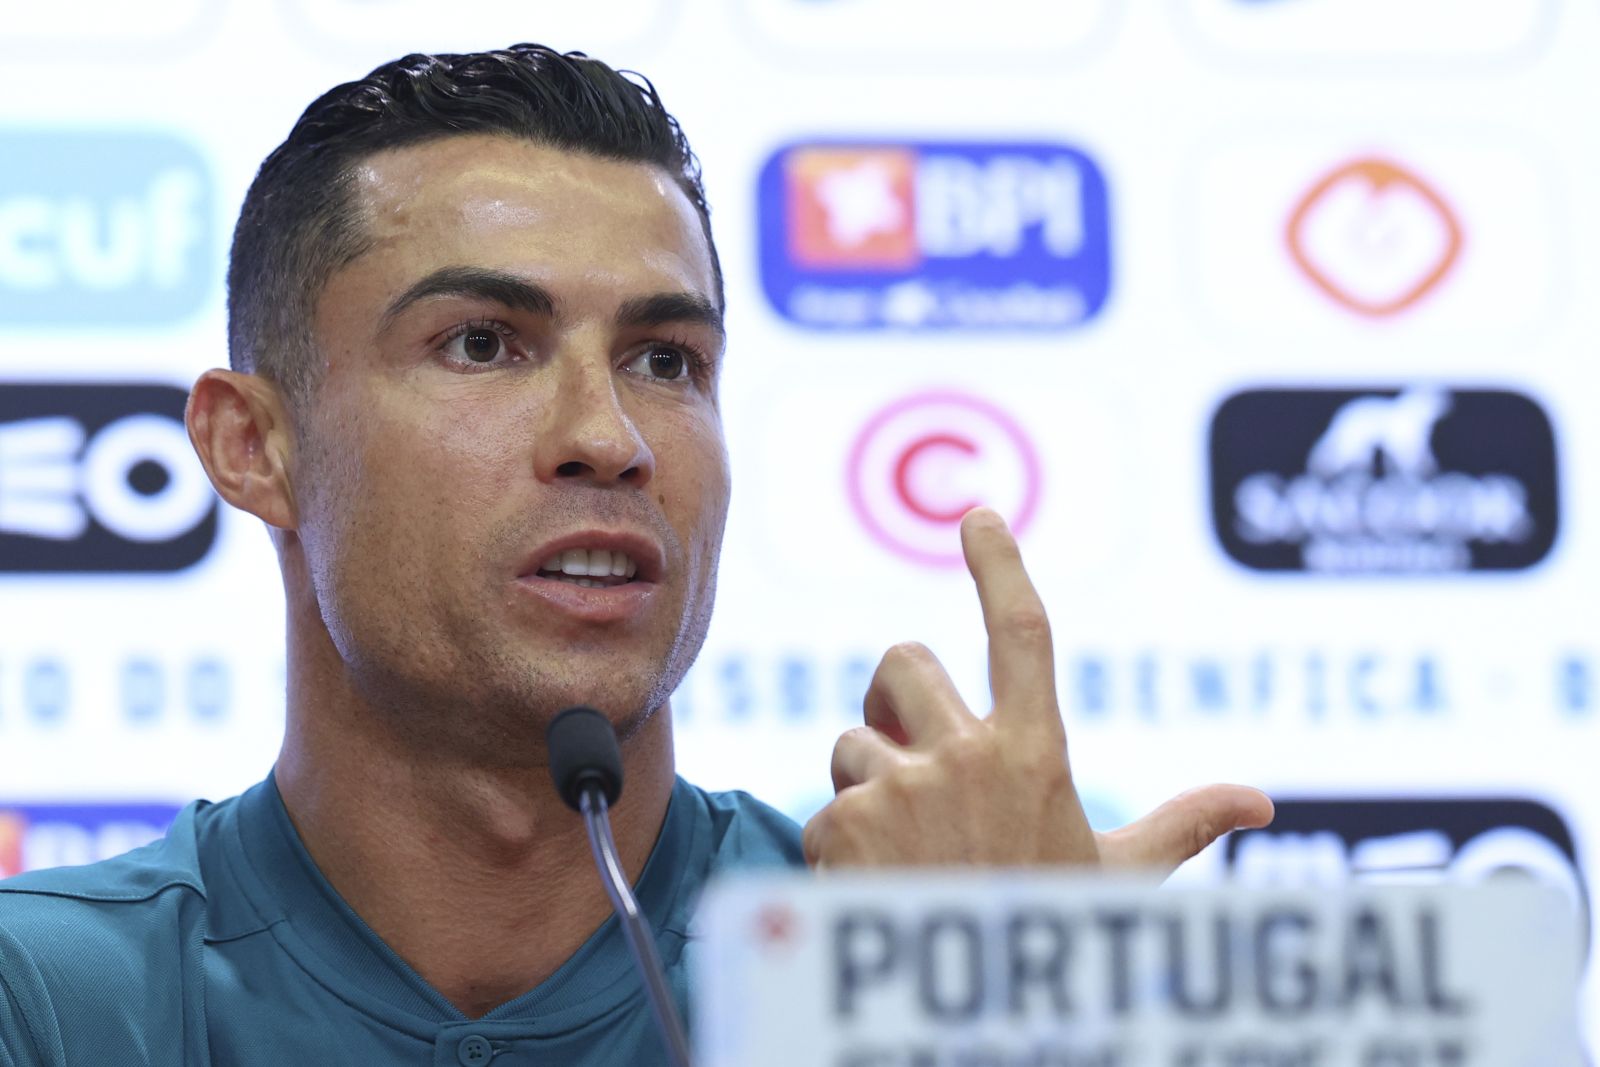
(592,568)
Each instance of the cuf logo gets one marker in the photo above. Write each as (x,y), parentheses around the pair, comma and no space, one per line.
(103,229)
(100,478)
(934,236)
(923,462)
(1416,480)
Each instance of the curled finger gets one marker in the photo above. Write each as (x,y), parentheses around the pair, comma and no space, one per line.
(863,753)
(911,699)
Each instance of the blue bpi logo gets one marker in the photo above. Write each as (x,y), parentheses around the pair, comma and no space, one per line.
(36,836)
(934,236)
(101,229)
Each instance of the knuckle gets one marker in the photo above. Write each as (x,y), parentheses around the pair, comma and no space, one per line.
(970,755)
(827,825)
(813,836)
(849,823)
(847,740)
(1045,765)
(901,788)
(843,811)
(848,751)
(1026,623)
(1201,833)
(855,735)
(907,653)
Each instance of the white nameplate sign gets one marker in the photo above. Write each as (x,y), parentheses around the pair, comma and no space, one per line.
(986,970)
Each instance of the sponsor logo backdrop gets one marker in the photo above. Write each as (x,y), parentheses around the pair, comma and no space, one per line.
(1259,319)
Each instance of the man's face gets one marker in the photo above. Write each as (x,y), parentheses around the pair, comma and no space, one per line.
(520,383)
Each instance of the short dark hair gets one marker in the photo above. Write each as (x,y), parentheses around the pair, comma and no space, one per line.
(300,224)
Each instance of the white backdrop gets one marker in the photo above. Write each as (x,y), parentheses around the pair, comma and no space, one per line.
(1022,254)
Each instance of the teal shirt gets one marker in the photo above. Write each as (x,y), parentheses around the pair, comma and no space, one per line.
(222,943)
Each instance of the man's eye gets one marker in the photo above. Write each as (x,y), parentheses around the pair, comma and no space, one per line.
(661,362)
(481,345)
(666,363)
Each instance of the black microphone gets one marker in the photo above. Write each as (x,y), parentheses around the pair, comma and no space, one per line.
(586,765)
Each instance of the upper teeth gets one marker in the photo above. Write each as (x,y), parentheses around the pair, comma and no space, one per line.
(594,562)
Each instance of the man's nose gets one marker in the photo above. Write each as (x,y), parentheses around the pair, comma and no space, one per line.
(588,433)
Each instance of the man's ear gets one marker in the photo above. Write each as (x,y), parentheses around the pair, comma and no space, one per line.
(239,425)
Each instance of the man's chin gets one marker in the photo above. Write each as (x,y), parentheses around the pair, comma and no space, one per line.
(627,707)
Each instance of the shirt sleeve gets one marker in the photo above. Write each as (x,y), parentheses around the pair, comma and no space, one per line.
(28,1035)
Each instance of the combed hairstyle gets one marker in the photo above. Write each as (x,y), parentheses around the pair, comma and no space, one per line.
(300,222)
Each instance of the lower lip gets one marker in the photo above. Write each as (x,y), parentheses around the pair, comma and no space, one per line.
(597,604)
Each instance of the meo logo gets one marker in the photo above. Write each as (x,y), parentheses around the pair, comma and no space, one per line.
(36,836)
(97,478)
(1332,841)
(934,236)
(102,229)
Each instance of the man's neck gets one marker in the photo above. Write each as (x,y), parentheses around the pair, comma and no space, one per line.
(478,877)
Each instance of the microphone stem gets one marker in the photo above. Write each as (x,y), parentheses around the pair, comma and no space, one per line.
(634,925)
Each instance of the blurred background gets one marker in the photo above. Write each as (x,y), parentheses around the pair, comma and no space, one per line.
(1262,320)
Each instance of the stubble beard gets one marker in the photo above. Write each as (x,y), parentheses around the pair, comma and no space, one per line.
(454,691)
(462,695)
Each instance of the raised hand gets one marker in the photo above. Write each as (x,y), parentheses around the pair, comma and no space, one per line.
(927,782)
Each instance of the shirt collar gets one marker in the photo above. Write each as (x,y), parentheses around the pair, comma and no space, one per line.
(287,894)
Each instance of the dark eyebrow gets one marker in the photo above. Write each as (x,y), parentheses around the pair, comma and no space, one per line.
(505,289)
(660,309)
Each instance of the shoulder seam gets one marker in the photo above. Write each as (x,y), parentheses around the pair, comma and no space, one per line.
(105,898)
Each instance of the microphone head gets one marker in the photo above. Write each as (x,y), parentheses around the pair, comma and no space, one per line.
(583,751)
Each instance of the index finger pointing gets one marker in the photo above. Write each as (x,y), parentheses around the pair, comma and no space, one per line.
(1022,670)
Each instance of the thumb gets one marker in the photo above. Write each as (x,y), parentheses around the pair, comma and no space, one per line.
(1179,829)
